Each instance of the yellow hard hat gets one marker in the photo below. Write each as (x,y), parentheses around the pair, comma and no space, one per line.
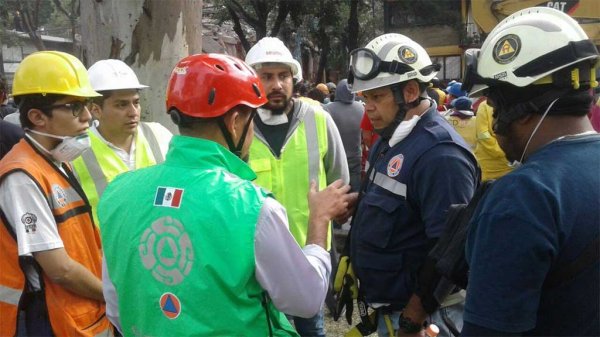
(52,72)
(323,88)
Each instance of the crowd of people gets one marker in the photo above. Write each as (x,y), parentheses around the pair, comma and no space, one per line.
(112,226)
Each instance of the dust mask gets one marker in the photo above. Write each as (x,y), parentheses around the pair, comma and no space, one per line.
(269,118)
(404,129)
(69,149)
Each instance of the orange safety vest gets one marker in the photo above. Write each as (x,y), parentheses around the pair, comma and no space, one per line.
(69,314)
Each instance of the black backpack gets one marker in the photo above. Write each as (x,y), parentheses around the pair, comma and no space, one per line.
(449,251)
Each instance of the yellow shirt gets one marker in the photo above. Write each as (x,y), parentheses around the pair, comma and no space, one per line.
(489,155)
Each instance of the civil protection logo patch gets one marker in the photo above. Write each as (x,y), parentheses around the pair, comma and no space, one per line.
(394,165)
(407,55)
(166,250)
(170,305)
(507,48)
(59,195)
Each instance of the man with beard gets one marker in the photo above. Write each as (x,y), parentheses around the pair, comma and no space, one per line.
(532,246)
(295,143)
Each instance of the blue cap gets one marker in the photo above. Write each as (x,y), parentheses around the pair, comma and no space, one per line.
(461,103)
(456,90)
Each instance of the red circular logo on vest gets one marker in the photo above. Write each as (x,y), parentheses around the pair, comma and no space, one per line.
(394,165)
(170,305)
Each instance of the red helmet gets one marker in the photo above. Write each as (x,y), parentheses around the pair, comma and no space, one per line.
(209,85)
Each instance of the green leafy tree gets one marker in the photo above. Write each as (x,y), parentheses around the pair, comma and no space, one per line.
(326,29)
(28,16)
(65,21)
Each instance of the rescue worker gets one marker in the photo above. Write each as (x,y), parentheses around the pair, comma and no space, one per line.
(212,249)
(418,168)
(120,141)
(490,156)
(296,142)
(532,246)
(50,250)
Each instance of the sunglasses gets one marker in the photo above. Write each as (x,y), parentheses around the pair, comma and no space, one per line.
(75,107)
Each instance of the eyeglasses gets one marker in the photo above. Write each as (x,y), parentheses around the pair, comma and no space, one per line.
(75,107)
(365,65)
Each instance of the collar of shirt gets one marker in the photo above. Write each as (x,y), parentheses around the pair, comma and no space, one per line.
(127,158)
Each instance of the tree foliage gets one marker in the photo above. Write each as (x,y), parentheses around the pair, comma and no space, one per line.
(325,29)
(27,16)
(34,17)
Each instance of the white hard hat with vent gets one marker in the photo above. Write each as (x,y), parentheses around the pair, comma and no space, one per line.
(272,50)
(526,47)
(113,75)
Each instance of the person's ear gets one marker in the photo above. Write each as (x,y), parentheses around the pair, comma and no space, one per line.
(37,117)
(232,119)
(96,111)
(411,91)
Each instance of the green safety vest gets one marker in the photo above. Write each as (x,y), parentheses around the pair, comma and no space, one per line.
(301,160)
(99,165)
(178,240)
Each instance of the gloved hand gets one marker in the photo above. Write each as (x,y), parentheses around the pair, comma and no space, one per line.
(345,287)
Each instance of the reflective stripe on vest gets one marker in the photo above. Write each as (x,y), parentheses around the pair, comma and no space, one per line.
(10,295)
(100,165)
(152,142)
(312,146)
(389,184)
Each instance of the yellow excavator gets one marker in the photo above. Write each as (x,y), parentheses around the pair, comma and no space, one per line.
(488,13)
(447,43)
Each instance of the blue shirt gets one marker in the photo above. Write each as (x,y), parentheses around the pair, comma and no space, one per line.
(538,217)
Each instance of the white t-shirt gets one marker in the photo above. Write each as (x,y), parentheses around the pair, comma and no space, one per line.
(30,217)
(162,134)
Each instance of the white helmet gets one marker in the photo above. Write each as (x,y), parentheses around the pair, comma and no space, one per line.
(389,59)
(526,47)
(113,75)
(272,50)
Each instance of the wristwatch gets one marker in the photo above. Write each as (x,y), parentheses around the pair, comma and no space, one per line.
(409,326)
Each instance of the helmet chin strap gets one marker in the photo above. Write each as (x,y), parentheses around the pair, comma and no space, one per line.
(403,107)
(236,149)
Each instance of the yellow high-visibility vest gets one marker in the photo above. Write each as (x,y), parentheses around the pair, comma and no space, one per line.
(99,165)
(301,160)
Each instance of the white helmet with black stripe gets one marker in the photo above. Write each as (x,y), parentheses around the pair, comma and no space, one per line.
(527,47)
(389,59)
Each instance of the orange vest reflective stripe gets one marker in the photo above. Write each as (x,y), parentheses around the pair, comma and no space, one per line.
(69,314)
